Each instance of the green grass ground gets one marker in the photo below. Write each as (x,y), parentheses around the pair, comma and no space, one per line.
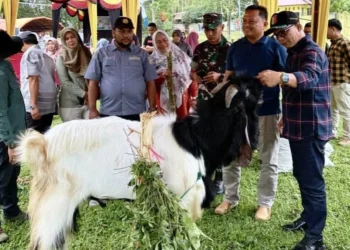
(103,229)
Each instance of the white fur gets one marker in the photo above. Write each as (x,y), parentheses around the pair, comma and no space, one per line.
(93,157)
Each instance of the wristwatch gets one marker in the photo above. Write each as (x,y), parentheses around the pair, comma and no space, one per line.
(33,107)
(284,78)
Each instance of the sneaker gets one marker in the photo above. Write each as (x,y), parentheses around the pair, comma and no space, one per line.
(3,236)
(97,202)
(21,217)
(93,203)
(345,142)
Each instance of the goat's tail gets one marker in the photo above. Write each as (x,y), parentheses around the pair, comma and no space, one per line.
(32,151)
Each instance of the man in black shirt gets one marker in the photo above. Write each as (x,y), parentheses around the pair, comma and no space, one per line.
(148,43)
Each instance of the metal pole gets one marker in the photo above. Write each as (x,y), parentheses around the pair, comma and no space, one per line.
(239,17)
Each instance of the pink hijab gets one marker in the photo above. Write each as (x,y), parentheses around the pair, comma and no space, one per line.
(192,39)
(57,52)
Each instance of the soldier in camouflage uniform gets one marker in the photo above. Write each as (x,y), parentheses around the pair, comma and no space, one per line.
(209,64)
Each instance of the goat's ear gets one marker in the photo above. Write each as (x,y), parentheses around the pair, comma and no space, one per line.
(231,91)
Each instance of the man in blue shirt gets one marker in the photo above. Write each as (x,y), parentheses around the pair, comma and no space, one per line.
(247,57)
(307,121)
(121,76)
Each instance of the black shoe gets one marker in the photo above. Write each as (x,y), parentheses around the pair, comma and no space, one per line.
(310,244)
(219,187)
(21,217)
(297,225)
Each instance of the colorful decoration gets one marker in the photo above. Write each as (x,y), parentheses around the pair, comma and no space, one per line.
(76,7)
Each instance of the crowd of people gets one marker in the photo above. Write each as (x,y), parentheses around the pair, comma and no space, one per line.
(168,75)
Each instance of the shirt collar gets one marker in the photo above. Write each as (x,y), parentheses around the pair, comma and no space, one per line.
(337,40)
(299,46)
(262,40)
(113,47)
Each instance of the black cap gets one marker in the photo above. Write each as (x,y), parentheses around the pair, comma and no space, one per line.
(123,23)
(335,23)
(282,20)
(9,46)
(212,20)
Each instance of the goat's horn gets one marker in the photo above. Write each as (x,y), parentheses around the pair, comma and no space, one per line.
(231,91)
(217,88)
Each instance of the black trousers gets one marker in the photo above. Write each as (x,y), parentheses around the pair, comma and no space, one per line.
(126,117)
(8,183)
(308,163)
(41,125)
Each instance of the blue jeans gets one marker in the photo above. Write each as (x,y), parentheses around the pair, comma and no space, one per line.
(308,163)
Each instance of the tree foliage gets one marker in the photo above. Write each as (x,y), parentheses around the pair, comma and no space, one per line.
(35,8)
(340,6)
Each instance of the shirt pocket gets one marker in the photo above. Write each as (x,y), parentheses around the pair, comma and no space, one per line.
(135,66)
(109,67)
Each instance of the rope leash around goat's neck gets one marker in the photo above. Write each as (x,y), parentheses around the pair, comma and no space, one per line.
(199,176)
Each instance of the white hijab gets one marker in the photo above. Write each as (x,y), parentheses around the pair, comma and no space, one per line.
(181,70)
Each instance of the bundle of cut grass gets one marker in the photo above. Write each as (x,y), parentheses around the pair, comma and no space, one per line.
(158,220)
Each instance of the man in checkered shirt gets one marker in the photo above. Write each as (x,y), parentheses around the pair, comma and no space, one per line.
(339,64)
(307,122)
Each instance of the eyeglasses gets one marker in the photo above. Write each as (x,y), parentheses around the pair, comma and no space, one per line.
(283,33)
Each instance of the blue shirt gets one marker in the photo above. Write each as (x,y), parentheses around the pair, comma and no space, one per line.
(306,109)
(247,59)
(122,75)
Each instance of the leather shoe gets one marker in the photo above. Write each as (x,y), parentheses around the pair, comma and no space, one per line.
(297,225)
(263,214)
(224,207)
(310,244)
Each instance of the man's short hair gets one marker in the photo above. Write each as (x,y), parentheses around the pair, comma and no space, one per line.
(31,39)
(335,23)
(152,25)
(262,10)
(308,25)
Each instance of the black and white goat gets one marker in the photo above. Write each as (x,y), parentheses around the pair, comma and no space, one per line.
(83,158)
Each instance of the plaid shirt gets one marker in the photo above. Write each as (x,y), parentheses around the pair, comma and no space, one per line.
(306,109)
(339,61)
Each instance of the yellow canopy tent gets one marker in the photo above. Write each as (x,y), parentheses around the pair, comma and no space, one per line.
(92,10)
(320,16)
(131,8)
(10,12)
(270,5)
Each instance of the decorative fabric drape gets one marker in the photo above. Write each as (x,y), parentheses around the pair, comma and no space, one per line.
(320,16)
(10,12)
(92,10)
(131,9)
(271,6)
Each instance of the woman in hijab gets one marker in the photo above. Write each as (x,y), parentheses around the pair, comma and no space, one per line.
(192,39)
(71,66)
(179,41)
(102,43)
(175,90)
(52,48)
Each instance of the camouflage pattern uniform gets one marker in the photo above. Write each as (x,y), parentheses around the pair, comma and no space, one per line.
(208,57)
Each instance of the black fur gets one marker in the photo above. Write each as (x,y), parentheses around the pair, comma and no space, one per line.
(76,216)
(60,241)
(217,132)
